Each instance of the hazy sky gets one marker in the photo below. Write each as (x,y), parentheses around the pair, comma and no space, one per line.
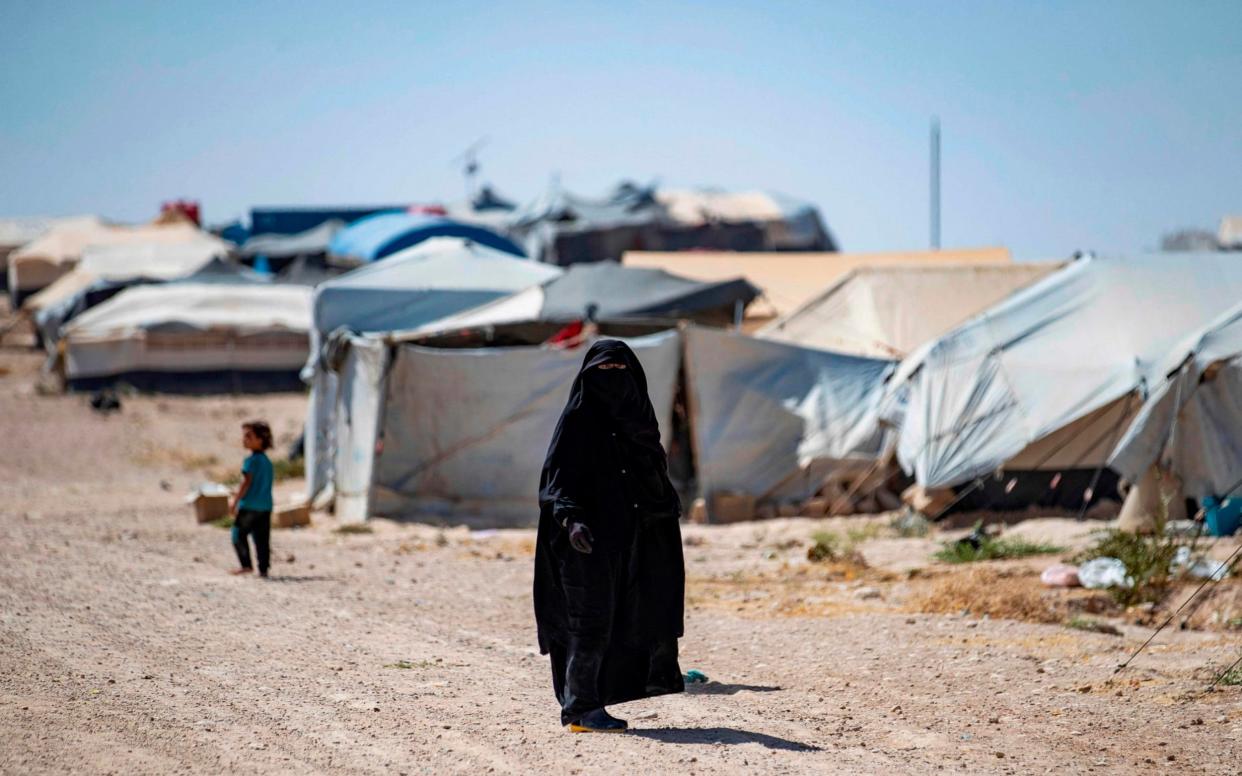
(1066,125)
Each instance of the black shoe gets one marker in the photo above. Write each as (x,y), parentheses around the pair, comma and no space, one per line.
(598,721)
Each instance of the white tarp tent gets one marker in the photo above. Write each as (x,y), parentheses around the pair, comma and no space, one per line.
(1054,355)
(150,260)
(38,264)
(190,328)
(770,419)
(432,280)
(1192,421)
(888,311)
(464,431)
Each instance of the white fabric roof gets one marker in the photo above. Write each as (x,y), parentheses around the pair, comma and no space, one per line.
(888,311)
(145,259)
(66,243)
(434,279)
(526,305)
(237,307)
(1192,421)
(1051,354)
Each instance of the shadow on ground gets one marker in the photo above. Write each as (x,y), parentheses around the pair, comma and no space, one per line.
(719,688)
(722,735)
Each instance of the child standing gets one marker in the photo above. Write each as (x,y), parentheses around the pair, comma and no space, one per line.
(252,507)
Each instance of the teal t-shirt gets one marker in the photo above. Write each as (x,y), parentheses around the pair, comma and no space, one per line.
(259,495)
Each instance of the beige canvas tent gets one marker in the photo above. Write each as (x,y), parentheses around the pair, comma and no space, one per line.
(888,311)
(40,263)
(151,259)
(790,280)
(16,232)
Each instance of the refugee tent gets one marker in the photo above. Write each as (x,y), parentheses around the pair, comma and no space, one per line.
(1191,423)
(464,431)
(616,292)
(429,281)
(787,224)
(82,289)
(375,237)
(888,311)
(789,280)
(192,337)
(448,425)
(38,264)
(770,419)
(1045,380)
(16,232)
(153,260)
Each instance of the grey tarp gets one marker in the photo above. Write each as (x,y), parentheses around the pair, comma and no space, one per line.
(626,291)
(769,419)
(464,432)
(1192,421)
(312,242)
(434,279)
(1049,356)
(618,292)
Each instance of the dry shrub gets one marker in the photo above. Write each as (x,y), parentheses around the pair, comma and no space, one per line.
(1009,595)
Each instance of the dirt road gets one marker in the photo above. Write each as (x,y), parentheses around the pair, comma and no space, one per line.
(126,648)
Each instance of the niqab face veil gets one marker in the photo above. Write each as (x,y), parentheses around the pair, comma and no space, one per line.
(617,397)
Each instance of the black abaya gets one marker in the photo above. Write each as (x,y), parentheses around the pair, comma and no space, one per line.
(609,619)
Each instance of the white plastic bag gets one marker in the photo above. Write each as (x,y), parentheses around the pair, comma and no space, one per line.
(1099,573)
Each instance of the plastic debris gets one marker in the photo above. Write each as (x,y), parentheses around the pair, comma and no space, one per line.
(1100,573)
(1200,568)
(1060,575)
(695,676)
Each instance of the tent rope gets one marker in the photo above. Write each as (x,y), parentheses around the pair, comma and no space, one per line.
(1223,674)
(1212,580)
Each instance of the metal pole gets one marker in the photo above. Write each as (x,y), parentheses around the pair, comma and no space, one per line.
(935,183)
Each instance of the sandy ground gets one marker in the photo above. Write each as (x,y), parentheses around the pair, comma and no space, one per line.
(126,648)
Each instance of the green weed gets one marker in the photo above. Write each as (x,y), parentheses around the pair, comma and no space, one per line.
(993,549)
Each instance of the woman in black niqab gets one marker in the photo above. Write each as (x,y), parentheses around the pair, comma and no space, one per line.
(609,575)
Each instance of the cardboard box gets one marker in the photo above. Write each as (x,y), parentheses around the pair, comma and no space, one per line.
(208,509)
(291,515)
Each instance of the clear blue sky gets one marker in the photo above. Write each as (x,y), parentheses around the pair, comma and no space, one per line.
(1066,125)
